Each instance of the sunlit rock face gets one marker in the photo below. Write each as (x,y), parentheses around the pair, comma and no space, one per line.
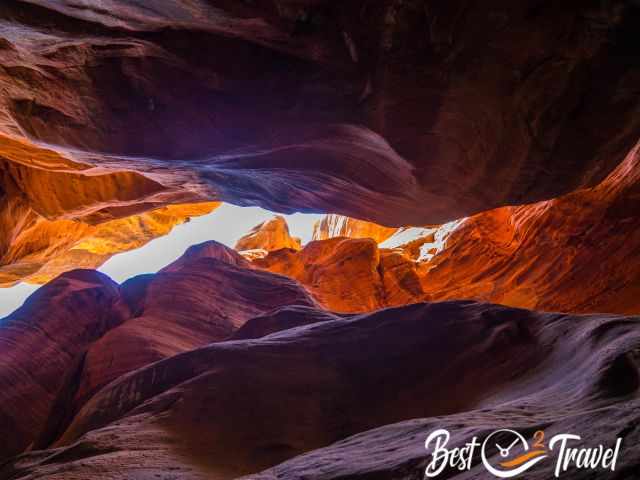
(272,234)
(57,214)
(342,274)
(332,225)
(187,370)
(493,146)
(43,249)
(348,271)
(349,275)
(399,113)
(577,253)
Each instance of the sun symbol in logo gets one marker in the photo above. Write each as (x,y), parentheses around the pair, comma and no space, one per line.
(514,454)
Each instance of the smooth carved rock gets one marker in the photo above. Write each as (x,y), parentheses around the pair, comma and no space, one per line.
(119,117)
(57,215)
(87,331)
(340,226)
(44,249)
(400,113)
(577,253)
(238,407)
(342,274)
(43,344)
(272,234)
(396,113)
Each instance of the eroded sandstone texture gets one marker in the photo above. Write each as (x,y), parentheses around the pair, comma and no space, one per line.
(577,253)
(340,226)
(120,119)
(135,388)
(81,331)
(403,113)
(272,234)
(57,215)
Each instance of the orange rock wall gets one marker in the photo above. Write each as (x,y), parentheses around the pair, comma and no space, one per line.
(578,253)
(272,234)
(340,226)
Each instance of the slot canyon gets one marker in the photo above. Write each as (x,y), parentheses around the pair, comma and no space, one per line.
(474,168)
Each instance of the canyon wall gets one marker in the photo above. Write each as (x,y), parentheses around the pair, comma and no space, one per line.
(472,154)
(577,253)
(402,113)
(332,225)
(213,369)
(272,234)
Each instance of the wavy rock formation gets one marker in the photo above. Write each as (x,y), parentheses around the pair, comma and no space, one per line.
(57,215)
(510,128)
(350,275)
(88,331)
(332,225)
(272,234)
(443,365)
(43,249)
(43,343)
(340,273)
(578,253)
(401,113)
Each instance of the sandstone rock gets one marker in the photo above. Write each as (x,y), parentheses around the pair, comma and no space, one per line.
(118,118)
(282,319)
(336,128)
(340,226)
(254,254)
(43,344)
(88,332)
(452,364)
(43,249)
(397,113)
(57,214)
(576,253)
(341,274)
(272,234)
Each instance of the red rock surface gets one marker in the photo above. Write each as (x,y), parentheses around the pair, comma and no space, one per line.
(87,331)
(522,116)
(212,413)
(57,215)
(272,234)
(578,253)
(395,112)
(43,343)
(331,226)
(342,274)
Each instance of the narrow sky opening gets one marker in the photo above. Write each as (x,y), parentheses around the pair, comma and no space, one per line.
(226,224)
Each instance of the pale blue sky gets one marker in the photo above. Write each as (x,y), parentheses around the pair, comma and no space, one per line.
(226,225)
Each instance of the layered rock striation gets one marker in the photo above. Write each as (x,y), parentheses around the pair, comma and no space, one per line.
(577,253)
(81,331)
(272,234)
(310,395)
(332,225)
(121,119)
(401,113)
